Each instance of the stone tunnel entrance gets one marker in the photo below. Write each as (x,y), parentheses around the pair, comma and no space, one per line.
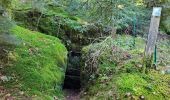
(72,76)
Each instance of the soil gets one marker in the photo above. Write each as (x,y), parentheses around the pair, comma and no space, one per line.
(71,94)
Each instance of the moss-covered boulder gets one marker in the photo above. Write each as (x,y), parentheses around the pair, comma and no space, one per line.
(37,64)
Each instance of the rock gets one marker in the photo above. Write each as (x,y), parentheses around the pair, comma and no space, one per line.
(162,72)
(154,93)
(132,98)
(21,92)
(168,71)
(4,78)
(9,97)
(2,89)
(128,95)
(56,98)
(141,97)
(149,87)
(165,70)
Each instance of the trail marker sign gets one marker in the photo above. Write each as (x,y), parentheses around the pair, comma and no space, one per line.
(153,32)
(156,11)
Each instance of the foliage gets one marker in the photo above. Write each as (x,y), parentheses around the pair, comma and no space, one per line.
(166,24)
(104,12)
(100,53)
(165,16)
(39,64)
(51,18)
(5,3)
(68,15)
(101,58)
(154,3)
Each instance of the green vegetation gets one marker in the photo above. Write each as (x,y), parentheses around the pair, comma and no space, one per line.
(149,86)
(45,16)
(119,74)
(106,38)
(38,64)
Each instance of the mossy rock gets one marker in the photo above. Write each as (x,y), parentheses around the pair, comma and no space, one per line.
(39,66)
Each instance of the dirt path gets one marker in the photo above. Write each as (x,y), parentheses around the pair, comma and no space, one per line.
(72,94)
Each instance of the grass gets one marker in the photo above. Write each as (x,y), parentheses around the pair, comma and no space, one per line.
(39,65)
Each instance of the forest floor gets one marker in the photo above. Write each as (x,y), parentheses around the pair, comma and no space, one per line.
(71,94)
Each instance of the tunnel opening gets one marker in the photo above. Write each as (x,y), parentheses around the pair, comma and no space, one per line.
(72,75)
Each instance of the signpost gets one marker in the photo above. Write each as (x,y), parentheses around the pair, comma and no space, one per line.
(152,37)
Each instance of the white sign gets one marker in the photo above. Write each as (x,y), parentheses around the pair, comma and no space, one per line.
(156,11)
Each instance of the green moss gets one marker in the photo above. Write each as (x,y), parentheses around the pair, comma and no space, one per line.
(131,83)
(151,86)
(40,63)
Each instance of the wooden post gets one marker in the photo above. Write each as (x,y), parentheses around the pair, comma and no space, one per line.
(152,37)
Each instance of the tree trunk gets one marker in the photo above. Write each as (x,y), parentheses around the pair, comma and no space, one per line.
(152,37)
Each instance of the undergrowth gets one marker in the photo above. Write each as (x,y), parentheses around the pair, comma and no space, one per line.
(118,71)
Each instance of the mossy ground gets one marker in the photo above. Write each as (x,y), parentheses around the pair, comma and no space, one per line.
(125,76)
(37,64)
